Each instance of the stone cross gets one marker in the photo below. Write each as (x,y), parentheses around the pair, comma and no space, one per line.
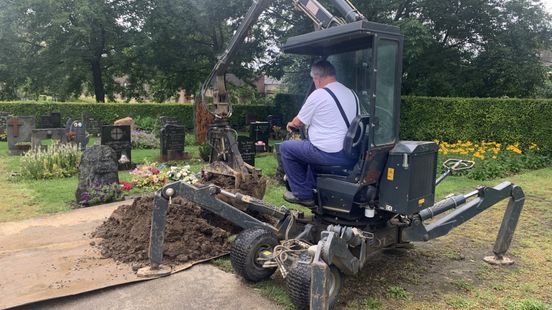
(15,123)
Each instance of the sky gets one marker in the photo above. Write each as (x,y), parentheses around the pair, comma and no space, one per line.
(548,5)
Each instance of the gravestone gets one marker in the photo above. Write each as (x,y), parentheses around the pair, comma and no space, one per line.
(92,125)
(172,142)
(49,133)
(98,167)
(168,120)
(45,122)
(260,131)
(3,125)
(246,146)
(76,133)
(118,138)
(50,121)
(19,130)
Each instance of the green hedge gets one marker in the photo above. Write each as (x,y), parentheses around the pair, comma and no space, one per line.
(422,118)
(502,120)
(107,113)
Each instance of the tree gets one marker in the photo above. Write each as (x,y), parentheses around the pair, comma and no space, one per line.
(69,44)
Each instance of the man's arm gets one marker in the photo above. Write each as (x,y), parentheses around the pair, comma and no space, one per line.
(295,123)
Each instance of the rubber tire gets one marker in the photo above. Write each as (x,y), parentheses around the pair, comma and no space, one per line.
(244,252)
(298,284)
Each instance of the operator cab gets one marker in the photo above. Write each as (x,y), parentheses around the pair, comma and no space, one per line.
(367,57)
(352,48)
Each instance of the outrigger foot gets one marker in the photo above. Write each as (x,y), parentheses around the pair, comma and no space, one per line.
(498,260)
(154,272)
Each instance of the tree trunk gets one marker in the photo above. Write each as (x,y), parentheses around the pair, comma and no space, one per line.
(99,90)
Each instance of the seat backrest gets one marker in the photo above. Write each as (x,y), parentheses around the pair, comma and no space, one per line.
(356,136)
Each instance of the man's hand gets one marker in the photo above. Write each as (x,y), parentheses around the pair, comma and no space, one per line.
(290,127)
(294,124)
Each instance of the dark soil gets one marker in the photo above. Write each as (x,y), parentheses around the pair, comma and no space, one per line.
(191,233)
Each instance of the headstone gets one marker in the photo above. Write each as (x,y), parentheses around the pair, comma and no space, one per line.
(172,142)
(168,120)
(50,121)
(56,119)
(92,125)
(45,121)
(118,138)
(3,125)
(246,147)
(19,131)
(76,133)
(260,131)
(98,167)
(49,133)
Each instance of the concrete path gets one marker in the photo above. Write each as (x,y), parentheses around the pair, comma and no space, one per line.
(201,287)
(51,256)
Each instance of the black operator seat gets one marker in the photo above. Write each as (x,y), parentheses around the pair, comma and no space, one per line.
(355,143)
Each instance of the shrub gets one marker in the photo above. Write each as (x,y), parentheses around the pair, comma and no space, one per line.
(144,140)
(101,194)
(58,161)
(148,123)
(205,151)
(474,119)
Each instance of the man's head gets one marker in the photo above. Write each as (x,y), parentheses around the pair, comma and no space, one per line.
(322,73)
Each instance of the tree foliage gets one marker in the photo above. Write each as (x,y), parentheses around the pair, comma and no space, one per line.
(151,49)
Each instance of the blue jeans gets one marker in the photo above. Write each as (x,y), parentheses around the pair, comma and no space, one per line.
(296,157)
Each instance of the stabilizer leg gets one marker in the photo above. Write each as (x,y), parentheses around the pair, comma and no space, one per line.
(507,228)
(157,233)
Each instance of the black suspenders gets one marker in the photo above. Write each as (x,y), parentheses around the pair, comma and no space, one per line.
(341,108)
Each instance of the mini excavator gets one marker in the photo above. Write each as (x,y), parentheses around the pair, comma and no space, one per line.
(385,199)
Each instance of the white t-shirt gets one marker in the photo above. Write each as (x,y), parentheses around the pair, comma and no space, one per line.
(327,128)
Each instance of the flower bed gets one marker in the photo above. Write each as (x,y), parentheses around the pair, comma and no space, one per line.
(493,159)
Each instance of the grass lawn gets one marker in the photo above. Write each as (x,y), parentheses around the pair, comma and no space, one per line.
(446,273)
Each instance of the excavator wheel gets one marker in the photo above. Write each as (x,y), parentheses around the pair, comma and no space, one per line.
(298,283)
(247,252)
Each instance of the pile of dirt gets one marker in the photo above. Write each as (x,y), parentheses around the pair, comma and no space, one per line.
(189,233)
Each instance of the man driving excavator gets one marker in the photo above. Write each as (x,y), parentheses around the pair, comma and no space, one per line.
(327,113)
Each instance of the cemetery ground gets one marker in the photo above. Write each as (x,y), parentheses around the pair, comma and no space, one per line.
(443,273)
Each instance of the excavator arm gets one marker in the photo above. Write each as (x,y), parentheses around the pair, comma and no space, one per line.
(215,84)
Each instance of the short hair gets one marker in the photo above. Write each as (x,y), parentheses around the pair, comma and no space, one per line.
(322,69)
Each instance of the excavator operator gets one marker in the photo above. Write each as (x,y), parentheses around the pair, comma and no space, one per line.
(327,114)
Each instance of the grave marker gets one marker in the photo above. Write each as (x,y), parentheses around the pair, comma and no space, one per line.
(168,120)
(19,131)
(76,133)
(246,146)
(49,133)
(92,125)
(260,131)
(173,138)
(118,138)
(50,121)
